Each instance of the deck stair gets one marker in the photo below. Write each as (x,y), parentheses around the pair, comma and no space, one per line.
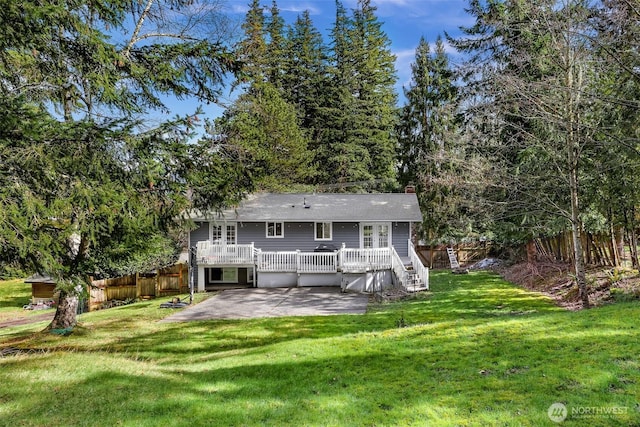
(415,283)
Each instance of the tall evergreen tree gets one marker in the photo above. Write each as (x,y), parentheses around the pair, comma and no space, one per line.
(278,56)
(362,110)
(252,49)
(306,80)
(343,154)
(429,143)
(265,127)
(91,190)
(374,90)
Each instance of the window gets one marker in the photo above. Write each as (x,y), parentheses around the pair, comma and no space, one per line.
(323,231)
(367,236)
(224,234)
(228,275)
(231,234)
(275,229)
(216,233)
(375,235)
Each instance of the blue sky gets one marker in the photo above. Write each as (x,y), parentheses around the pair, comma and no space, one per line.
(404,22)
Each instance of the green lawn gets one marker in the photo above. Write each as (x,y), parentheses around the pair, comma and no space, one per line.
(476,351)
(14,294)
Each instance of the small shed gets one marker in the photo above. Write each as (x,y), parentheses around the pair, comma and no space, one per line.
(42,288)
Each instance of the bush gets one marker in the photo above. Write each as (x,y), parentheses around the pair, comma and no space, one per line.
(624,295)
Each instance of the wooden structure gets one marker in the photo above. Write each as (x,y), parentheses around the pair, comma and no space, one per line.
(164,282)
(438,257)
(335,268)
(42,289)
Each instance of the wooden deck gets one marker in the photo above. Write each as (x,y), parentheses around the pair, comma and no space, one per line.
(409,271)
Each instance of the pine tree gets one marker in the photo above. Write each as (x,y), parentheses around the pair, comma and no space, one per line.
(86,189)
(361,114)
(263,125)
(429,141)
(306,80)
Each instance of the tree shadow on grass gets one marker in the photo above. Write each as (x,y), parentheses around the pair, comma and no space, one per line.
(452,300)
(457,362)
(502,372)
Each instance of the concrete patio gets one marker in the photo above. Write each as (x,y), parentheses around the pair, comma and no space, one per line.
(274,302)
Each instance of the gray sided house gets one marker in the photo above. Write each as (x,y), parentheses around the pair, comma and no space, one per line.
(359,242)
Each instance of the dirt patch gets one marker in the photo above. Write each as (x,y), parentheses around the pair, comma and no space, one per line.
(605,284)
(395,294)
(25,320)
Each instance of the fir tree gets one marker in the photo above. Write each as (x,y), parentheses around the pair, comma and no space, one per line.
(374,91)
(278,56)
(362,110)
(86,189)
(263,125)
(428,139)
(306,80)
(252,49)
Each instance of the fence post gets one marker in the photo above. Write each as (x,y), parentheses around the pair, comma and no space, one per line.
(138,290)
(157,283)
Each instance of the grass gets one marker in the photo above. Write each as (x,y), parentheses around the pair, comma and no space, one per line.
(476,351)
(14,294)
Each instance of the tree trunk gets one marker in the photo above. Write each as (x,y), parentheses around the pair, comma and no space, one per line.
(633,246)
(620,245)
(578,254)
(589,250)
(631,236)
(531,252)
(615,252)
(65,316)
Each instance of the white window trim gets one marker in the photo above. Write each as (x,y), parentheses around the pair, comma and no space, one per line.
(266,229)
(223,233)
(315,229)
(375,234)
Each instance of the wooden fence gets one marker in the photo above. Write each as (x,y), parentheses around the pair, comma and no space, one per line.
(167,281)
(603,249)
(436,256)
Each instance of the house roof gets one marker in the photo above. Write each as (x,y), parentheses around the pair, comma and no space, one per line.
(324,207)
(38,278)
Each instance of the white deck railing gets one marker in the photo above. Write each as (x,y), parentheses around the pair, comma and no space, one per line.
(346,260)
(421,270)
(282,262)
(349,260)
(210,253)
(317,262)
(365,259)
(397,265)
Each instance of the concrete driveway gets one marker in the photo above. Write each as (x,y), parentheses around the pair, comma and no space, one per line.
(274,302)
